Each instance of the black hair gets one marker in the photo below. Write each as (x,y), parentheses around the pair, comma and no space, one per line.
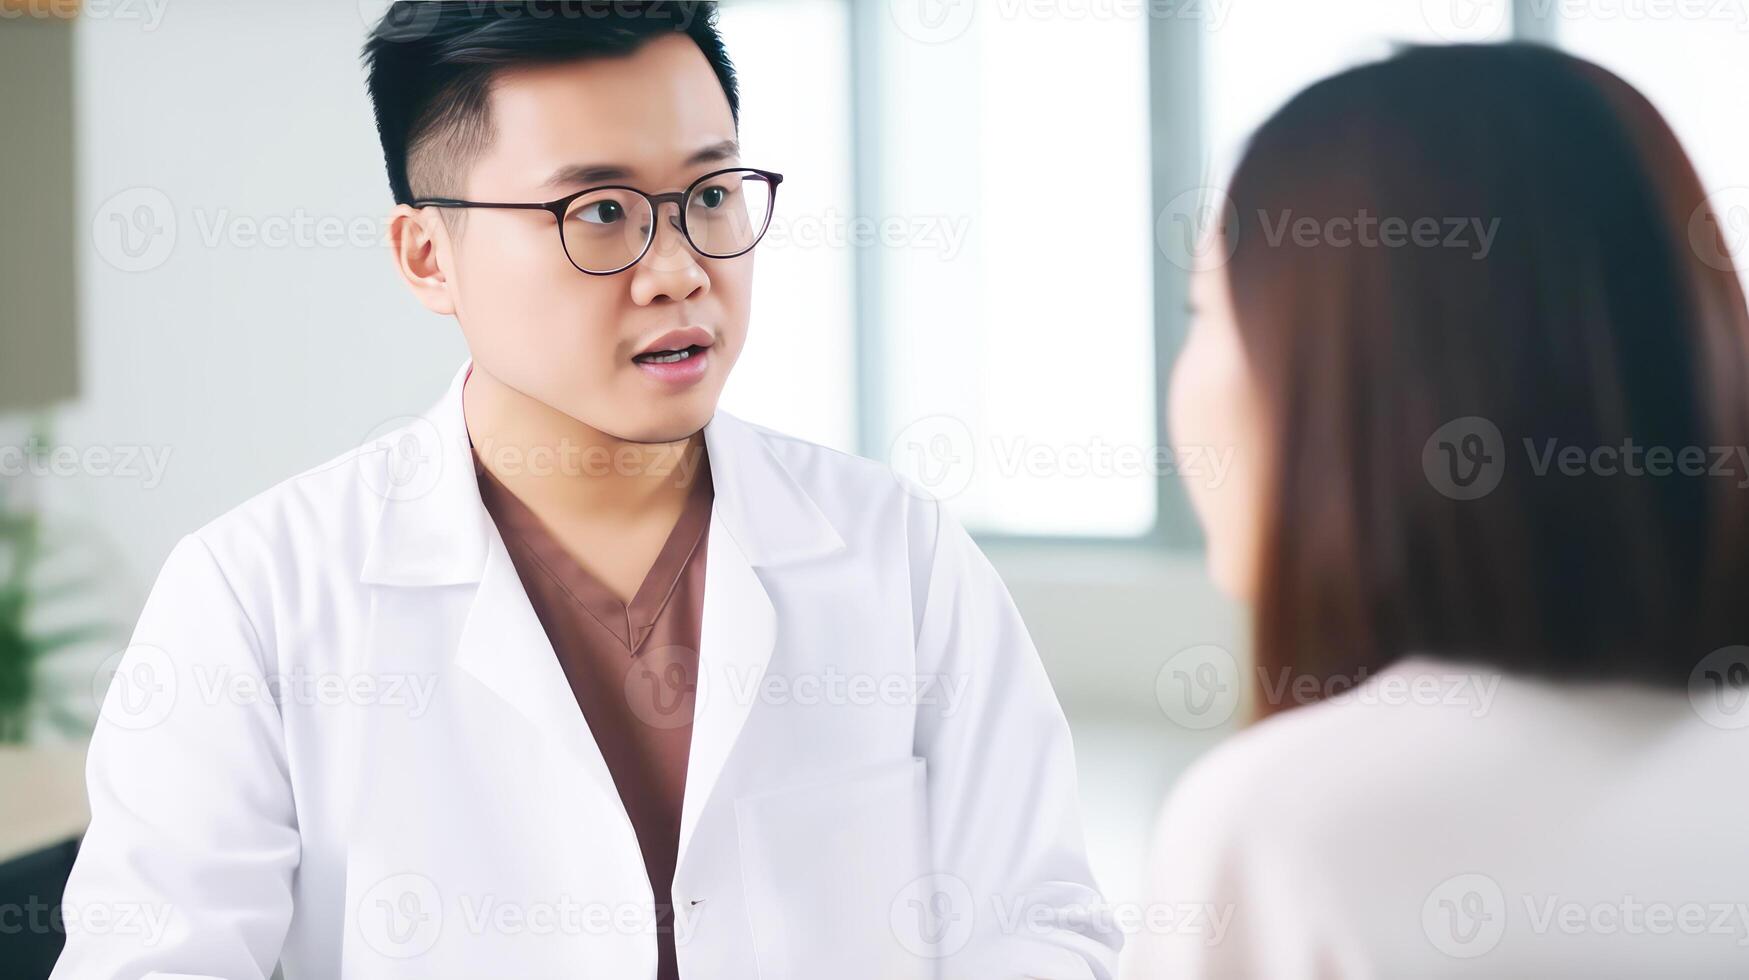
(431,65)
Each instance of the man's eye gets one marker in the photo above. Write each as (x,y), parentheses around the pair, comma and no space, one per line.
(713,197)
(602,212)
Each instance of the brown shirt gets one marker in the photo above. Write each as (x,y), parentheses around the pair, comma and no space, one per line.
(632,666)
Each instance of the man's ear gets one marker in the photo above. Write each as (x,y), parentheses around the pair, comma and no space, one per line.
(419,242)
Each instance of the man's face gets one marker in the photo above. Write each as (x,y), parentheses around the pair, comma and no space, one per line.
(655,120)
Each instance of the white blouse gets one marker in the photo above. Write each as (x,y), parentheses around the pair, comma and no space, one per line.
(1443,820)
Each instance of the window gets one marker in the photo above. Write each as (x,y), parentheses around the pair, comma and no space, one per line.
(797,372)
(1692,61)
(961,277)
(1258,54)
(1015,313)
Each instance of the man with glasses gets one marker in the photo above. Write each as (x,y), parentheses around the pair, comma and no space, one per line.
(688,698)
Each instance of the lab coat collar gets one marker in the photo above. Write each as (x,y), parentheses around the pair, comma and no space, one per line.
(434,530)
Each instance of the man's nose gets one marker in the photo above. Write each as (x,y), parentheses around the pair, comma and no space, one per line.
(670,270)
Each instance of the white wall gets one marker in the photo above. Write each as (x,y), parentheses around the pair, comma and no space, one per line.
(244,361)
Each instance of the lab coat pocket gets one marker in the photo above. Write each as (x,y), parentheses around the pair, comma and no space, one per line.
(827,866)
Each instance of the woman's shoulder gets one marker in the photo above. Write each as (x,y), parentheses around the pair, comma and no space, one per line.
(1422,744)
(1354,825)
(1260,830)
(1418,722)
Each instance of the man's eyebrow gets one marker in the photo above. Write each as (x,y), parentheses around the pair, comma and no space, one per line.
(726,150)
(579,174)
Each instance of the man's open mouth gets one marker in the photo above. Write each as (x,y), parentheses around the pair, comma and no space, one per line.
(669,356)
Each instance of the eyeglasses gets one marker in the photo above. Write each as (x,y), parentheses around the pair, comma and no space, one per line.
(607,230)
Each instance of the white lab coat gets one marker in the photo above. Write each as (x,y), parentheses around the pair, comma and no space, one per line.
(340,741)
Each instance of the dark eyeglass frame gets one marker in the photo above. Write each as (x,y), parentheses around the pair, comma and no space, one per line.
(557,209)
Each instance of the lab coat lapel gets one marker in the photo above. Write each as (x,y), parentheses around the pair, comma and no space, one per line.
(761,519)
(737,633)
(433,530)
(504,646)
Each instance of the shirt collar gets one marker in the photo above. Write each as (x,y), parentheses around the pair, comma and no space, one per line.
(432,527)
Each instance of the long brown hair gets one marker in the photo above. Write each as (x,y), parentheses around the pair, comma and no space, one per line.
(1602,311)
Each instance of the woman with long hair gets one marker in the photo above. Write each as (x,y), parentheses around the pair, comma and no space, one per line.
(1468,329)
